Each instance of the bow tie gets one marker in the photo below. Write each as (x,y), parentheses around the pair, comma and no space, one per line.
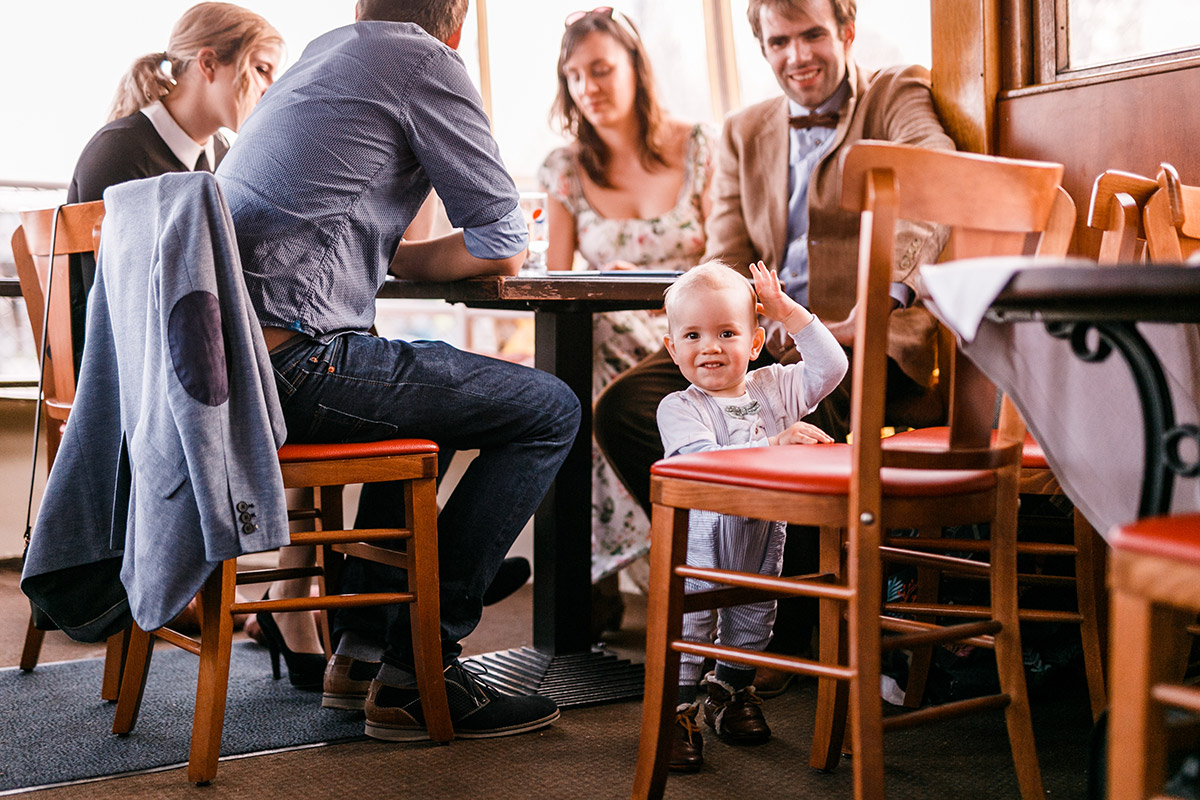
(829,120)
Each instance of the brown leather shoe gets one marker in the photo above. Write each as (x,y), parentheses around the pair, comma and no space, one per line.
(772,682)
(687,748)
(736,716)
(346,682)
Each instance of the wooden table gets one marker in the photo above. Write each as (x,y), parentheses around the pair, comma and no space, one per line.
(1117,445)
(563,663)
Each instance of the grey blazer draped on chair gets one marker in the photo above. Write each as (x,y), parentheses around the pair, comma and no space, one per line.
(168,463)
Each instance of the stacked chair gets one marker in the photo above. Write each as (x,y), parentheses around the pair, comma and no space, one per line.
(856,492)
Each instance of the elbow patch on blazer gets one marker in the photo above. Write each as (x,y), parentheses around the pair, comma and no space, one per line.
(198,347)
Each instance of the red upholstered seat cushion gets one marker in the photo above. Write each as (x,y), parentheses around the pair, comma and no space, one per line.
(813,469)
(1176,538)
(1032,455)
(291,453)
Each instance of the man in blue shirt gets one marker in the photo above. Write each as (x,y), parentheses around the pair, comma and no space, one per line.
(324,179)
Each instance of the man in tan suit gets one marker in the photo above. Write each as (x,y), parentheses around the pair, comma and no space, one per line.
(775,198)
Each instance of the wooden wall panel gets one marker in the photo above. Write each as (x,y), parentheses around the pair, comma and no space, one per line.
(1130,124)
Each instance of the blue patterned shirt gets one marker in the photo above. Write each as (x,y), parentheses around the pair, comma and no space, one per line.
(337,158)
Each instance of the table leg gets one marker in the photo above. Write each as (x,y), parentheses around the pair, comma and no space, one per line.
(564,664)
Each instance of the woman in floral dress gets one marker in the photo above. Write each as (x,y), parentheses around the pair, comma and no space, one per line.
(630,192)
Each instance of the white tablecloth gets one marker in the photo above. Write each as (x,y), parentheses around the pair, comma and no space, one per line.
(1086,416)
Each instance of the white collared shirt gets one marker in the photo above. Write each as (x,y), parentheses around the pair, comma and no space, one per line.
(182,145)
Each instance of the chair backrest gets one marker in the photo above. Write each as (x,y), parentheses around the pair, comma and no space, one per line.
(1118,199)
(1172,218)
(78,232)
(992,207)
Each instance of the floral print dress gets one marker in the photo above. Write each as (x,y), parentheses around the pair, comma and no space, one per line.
(675,240)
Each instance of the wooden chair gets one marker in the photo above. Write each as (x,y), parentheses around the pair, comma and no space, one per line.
(854,492)
(1172,218)
(1155,583)
(1117,201)
(77,231)
(325,469)
(1116,209)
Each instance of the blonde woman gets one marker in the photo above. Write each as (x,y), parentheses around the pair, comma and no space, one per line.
(166,116)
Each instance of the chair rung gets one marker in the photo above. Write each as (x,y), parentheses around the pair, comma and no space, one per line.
(797,586)
(179,640)
(980,612)
(757,658)
(958,708)
(369,552)
(1177,696)
(295,514)
(326,601)
(276,574)
(924,634)
(977,545)
(901,556)
(341,537)
(724,598)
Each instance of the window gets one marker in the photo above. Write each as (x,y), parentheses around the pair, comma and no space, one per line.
(1102,32)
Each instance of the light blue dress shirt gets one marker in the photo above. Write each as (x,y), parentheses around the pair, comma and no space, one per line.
(335,161)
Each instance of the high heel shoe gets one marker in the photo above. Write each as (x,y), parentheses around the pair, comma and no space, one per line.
(305,670)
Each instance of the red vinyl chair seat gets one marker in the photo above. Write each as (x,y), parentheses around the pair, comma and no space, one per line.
(1032,455)
(1176,538)
(339,451)
(813,469)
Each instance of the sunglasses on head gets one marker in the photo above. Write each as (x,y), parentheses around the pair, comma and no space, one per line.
(603,11)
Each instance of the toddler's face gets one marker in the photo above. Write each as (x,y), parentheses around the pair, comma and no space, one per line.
(713,338)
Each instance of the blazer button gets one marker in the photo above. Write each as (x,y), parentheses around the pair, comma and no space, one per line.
(242,506)
(246,517)
(248,528)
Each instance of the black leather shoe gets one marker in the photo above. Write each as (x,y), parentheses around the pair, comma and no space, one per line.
(736,716)
(687,748)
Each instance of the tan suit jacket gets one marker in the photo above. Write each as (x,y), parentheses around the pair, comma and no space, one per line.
(749,218)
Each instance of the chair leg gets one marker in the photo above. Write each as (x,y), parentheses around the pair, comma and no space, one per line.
(114,665)
(1010,661)
(421,510)
(133,679)
(212,683)
(1089,583)
(927,591)
(664,623)
(32,647)
(1151,638)
(863,641)
(833,696)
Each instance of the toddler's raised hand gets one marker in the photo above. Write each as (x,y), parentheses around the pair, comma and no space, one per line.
(773,302)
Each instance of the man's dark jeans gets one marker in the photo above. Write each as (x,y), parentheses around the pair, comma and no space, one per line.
(523,421)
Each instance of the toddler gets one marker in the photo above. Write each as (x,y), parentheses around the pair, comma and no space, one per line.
(713,335)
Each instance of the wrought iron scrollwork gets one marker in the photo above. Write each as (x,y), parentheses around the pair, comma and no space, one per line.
(1162,437)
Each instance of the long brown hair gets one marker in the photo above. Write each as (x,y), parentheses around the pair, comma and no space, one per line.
(594,154)
(232,31)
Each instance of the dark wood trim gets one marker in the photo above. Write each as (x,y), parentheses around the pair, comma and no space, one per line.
(1110,73)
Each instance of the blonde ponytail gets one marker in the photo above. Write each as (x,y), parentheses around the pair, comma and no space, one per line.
(145,82)
(231,31)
